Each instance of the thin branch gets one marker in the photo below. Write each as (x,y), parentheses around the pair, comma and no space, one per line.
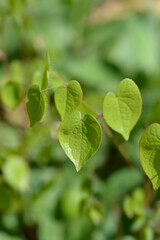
(91,109)
(44,90)
(114,141)
(62,80)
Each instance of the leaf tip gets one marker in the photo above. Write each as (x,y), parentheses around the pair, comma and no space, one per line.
(126,137)
(77,168)
(155,187)
(31,124)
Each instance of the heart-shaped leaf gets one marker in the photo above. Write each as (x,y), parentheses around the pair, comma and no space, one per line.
(149,149)
(11,94)
(45,73)
(80,139)
(121,112)
(35,103)
(67,99)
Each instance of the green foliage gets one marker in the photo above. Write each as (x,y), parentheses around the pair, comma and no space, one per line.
(16,172)
(74,196)
(45,78)
(5,236)
(68,98)
(5,199)
(147,234)
(94,211)
(134,205)
(149,148)
(128,178)
(122,112)
(35,103)
(11,94)
(98,44)
(80,138)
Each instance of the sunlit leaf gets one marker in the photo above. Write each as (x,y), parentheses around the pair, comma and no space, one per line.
(67,99)
(80,139)
(121,112)
(149,148)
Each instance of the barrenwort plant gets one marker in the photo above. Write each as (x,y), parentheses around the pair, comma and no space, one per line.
(80,137)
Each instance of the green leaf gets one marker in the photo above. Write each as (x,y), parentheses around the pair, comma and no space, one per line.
(6,196)
(45,73)
(138,224)
(147,233)
(11,94)
(121,112)
(95,212)
(80,139)
(128,207)
(134,204)
(35,103)
(149,149)
(16,172)
(73,196)
(67,99)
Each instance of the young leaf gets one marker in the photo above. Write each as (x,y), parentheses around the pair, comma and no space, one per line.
(121,112)
(11,94)
(35,103)
(149,149)
(16,172)
(80,139)
(45,73)
(67,99)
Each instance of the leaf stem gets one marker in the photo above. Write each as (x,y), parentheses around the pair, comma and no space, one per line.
(44,90)
(114,141)
(107,130)
(91,109)
(62,80)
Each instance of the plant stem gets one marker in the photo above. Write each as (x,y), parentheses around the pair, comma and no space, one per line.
(44,90)
(107,130)
(91,109)
(62,80)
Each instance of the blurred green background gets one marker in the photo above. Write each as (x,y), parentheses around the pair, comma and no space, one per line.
(98,43)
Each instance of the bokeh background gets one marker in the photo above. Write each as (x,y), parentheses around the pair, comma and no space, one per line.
(98,43)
